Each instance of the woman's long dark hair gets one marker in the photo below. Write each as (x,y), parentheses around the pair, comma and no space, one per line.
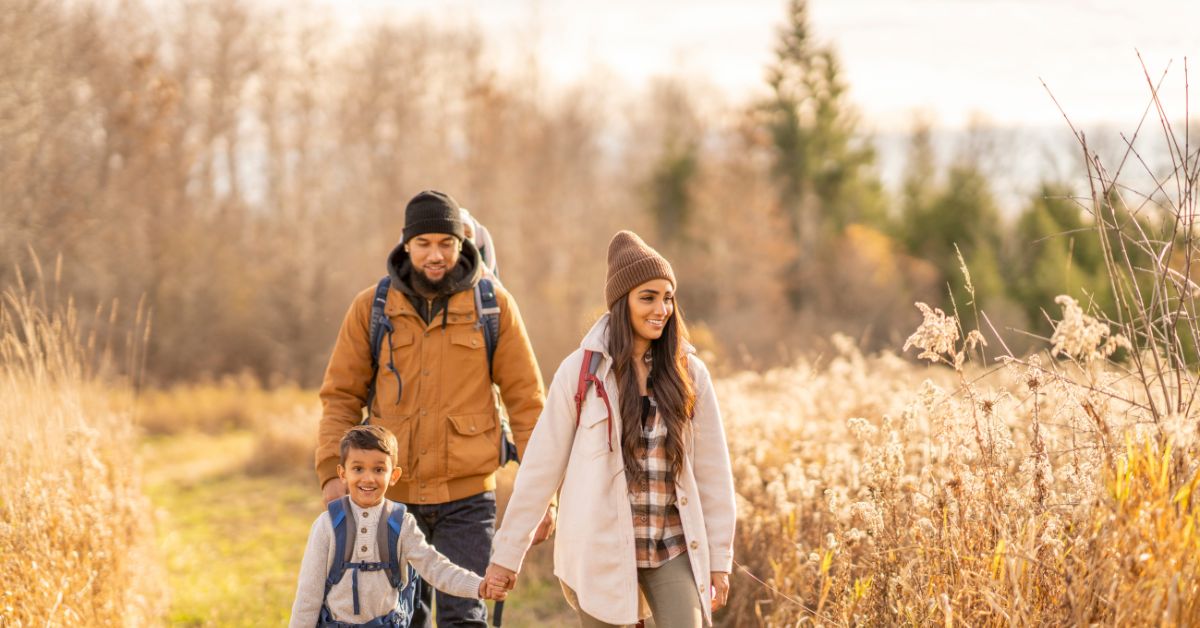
(674,393)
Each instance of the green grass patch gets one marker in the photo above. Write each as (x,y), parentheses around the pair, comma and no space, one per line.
(233,541)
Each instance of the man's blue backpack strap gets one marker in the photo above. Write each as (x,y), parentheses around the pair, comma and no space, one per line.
(487,308)
(379,325)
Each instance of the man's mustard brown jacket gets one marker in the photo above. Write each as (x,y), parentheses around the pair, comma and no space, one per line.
(444,414)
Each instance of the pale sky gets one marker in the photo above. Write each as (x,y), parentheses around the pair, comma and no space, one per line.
(951,58)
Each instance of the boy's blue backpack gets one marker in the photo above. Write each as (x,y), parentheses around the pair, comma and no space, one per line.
(386,539)
(487,310)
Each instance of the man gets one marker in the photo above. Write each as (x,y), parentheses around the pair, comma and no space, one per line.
(433,390)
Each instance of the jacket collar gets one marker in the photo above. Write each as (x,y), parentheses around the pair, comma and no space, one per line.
(597,338)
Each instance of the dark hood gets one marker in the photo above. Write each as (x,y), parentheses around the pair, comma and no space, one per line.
(463,276)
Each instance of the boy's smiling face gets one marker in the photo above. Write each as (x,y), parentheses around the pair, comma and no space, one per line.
(368,473)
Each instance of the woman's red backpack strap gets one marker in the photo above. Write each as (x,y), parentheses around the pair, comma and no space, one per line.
(582,386)
(587,376)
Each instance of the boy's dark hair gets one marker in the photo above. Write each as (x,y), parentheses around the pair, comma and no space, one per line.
(370,437)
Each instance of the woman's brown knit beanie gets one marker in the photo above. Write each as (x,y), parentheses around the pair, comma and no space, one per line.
(631,263)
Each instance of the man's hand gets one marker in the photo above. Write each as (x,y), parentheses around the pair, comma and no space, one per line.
(720,583)
(333,489)
(502,577)
(546,528)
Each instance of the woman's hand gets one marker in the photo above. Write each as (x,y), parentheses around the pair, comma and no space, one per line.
(720,583)
(498,576)
(546,528)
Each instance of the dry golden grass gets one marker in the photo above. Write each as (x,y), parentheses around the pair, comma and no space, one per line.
(875,493)
(283,420)
(232,403)
(871,492)
(75,530)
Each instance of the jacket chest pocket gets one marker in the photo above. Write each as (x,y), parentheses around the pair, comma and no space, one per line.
(472,444)
(467,346)
(593,436)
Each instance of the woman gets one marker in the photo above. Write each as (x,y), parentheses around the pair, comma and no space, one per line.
(647,508)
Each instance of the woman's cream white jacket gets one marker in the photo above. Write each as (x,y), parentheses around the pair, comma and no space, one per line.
(594,551)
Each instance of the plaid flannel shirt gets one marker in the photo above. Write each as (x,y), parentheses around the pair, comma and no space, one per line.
(657,529)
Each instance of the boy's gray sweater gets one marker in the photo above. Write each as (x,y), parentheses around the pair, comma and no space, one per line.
(375,594)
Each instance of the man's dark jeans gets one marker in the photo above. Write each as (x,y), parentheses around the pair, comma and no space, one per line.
(462,530)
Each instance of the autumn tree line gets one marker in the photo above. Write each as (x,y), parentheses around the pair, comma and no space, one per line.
(241,171)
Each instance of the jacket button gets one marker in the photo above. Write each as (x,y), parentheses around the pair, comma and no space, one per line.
(472,428)
(424,412)
(426,334)
(423,451)
(695,545)
(425,372)
(422,498)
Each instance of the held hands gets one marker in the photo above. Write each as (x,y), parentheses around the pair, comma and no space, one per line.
(492,589)
(720,585)
(499,579)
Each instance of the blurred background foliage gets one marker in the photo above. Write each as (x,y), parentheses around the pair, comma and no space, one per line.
(244,170)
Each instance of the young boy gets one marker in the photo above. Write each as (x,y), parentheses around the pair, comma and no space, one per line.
(365,593)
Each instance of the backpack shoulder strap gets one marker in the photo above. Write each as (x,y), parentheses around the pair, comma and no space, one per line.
(379,318)
(587,377)
(379,325)
(389,538)
(487,310)
(343,536)
(587,374)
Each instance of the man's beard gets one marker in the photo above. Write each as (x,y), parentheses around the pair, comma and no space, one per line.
(424,286)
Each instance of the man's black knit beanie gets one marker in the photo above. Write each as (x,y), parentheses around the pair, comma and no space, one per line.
(432,212)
